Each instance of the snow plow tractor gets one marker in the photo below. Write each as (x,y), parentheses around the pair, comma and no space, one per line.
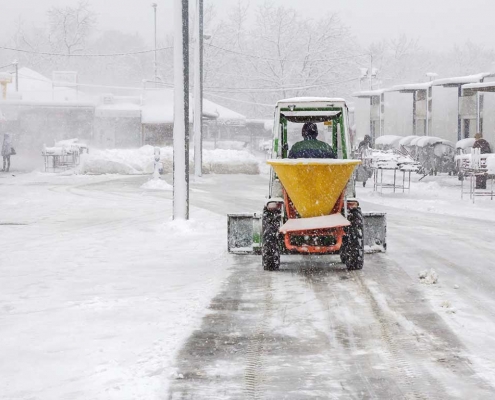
(310,207)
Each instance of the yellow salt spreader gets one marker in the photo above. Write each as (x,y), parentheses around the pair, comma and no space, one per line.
(311,206)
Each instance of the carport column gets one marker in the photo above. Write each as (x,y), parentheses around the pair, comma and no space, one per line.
(459,119)
(414,112)
(478,113)
(181,109)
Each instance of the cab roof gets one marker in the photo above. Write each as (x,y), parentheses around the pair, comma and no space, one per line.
(311,100)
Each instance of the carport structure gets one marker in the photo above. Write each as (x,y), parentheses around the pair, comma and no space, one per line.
(421,106)
(485,121)
(377,110)
(468,104)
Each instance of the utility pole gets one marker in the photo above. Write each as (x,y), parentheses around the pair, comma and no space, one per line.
(155,65)
(16,64)
(181,109)
(198,90)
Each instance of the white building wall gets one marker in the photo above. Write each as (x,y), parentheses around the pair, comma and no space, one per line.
(398,114)
(444,113)
(362,116)
(489,119)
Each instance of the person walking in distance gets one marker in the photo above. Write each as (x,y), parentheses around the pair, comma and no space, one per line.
(7,149)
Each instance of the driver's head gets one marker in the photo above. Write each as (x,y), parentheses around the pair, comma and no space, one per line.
(310,130)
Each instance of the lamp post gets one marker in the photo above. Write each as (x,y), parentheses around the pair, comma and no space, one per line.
(198,90)
(181,110)
(154,5)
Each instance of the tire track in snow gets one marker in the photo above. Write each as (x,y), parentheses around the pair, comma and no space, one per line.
(253,379)
(411,378)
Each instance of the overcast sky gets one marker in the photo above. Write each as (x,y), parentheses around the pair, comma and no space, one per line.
(438,23)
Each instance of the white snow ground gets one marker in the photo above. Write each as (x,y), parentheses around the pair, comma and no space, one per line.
(100,289)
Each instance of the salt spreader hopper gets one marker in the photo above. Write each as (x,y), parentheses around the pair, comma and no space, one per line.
(310,208)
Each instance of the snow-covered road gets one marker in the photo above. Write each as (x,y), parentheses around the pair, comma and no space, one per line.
(103,297)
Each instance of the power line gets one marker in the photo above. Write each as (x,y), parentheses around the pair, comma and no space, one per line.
(85,55)
(289,60)
(210,90)
(240,101)
(280,89)
(5,66)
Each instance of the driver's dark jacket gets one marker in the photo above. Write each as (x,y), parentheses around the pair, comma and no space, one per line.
(311,148)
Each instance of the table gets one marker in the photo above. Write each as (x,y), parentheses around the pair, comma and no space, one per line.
(378,179)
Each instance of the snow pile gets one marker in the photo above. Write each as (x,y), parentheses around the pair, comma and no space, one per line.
(428,277)
(141,161)
(391,159)
(157,184)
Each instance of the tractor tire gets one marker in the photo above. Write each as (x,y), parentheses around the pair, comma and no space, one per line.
(270,251)
(353,254)
(343,250)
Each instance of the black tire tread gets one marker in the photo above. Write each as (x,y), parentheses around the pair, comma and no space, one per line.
(353,250)
(270,252)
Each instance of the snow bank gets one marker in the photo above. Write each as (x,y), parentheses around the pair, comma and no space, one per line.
(141,161)
(157,184)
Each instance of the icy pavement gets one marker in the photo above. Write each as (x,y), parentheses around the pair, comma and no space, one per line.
(315,331)
(103,297)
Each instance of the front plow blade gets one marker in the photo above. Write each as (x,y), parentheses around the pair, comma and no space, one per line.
(244,233)
(375,232)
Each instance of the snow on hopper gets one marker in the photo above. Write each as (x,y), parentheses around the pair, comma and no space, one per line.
(314,186)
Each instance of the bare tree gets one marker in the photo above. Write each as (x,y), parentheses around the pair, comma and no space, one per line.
(284,54)
(70,27)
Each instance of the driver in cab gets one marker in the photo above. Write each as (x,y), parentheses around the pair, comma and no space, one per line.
(310,147)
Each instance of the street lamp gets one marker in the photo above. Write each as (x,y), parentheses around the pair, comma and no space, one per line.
(198,90)
(154,5)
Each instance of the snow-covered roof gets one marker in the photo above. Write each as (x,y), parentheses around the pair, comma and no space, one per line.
(472,88)
(461,80)
(368,93)
(118,110)
(48,103)
(406,141)
(33,86)
(465,143)
(429,140)
(411,87)
(158,108)
(223,114)
(311,99)
(387,140)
